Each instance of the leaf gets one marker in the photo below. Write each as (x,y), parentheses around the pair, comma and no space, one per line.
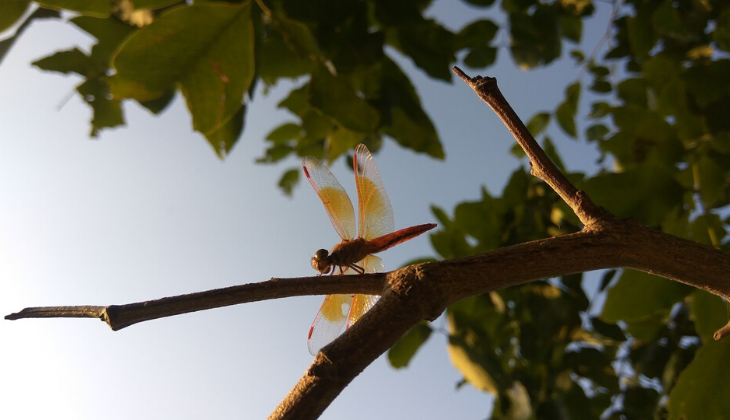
(565,113)
(39,13)
(608,330)
(535,39)
(107,112)
(712,182)
(288,181)
(480,57)
(430,45)
(641,35)
(698,393)
(284,133)
(708,312)
(224,137)
(538,122)
(647,193)
(402,352)
(335,98)
(721,34)
(409,125)
(596,132)
(98,8)
(341,140)
(207,48)
(109,33)
(639,295)
(552,153)
(11,11)
(71,61)
(571,27)
(476,34)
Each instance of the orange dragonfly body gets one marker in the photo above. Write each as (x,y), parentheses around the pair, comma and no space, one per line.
(375,234)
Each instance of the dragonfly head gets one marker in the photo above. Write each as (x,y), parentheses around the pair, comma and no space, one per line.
(320,261)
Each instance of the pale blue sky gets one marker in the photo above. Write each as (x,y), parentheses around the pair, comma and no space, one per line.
(148,211)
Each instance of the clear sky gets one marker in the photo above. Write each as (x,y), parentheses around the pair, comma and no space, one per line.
(148,211)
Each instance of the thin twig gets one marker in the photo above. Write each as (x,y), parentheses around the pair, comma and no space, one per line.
(542,167)
(120,316)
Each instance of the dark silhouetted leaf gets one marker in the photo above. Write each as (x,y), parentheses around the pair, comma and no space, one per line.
(288,181)
(538,122)
(402,352)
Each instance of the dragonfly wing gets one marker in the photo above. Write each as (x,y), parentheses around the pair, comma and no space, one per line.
(329,321)
(363,303)
(334,197)
(375,214)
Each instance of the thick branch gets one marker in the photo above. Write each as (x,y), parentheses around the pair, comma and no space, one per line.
(542,167)
(421,292)
(120,316)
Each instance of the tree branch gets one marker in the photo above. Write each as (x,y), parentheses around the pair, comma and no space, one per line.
(121,316)
(423,291)
(542,167)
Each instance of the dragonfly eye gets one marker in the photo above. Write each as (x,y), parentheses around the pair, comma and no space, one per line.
(321,254)
(319,261)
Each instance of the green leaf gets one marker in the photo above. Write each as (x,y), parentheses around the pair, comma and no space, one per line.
(107,112)
(336,98)
(98,8)
(708,312)
(721,34)
(608,330)
(11,11)
(109,32)
(158,105)
(571,27)
(341,140)
(430,45)
(639,295)
(712,182)
(641,35)
(552,153)
(647,193)
(535,39)
(476,34)
(207,48)
(71,61)
(596,132)
(409,125)
(39,13)
(402,352)
(480,57)
(565,113)
(224,137)
(284,133)
(701,386)
(288,181)
(538,122)
(593,364)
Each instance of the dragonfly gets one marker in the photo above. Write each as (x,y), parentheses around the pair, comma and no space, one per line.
(375,234)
